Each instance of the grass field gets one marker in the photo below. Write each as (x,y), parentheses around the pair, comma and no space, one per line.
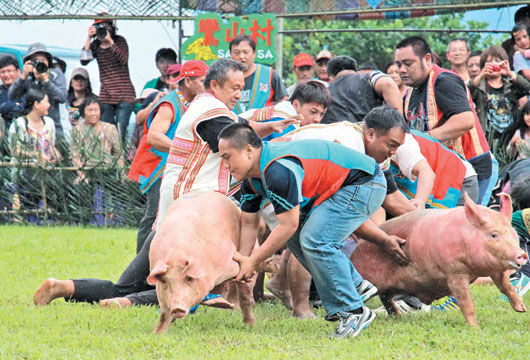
(81,331)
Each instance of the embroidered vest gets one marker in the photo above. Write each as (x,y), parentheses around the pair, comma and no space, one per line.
(261,91)
(470,145)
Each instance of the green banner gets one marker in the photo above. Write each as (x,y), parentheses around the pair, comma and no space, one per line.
(213,35)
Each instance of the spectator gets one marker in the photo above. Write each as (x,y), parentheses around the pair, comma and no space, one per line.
(521,57)
(354,95)
(78,89)
(392,70)
(9,108)
(439,103)
(112,54)
(32,140)
(303,68)
(322,60)
(520,141)
(522,15)
(164,58)
(457,54)
(269,87)
(38,74)
(59,63)
(473,65)
(496,92)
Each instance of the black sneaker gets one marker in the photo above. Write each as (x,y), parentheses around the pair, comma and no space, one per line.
(366,290)
(350,325)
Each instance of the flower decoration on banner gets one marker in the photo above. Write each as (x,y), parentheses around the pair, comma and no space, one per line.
(213,35)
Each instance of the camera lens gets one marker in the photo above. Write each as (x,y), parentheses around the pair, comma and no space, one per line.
(40,67)
(101,31)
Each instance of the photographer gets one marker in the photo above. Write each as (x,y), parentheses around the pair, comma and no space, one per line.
(112,54)
(37,74)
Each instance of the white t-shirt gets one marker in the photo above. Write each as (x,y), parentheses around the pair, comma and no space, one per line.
(42,140)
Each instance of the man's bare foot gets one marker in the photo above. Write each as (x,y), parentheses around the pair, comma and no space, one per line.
(119,302)
(52,289)
(281,292)
(218,302)
(303,312)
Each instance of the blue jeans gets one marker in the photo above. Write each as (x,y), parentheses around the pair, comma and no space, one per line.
(318,241)
(485,186)
(119,115)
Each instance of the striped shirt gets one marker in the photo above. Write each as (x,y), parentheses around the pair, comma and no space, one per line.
(116,85)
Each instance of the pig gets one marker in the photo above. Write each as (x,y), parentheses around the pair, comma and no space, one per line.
(192,252)
(448,249)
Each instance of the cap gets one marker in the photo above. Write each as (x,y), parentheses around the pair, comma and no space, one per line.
(80,71)
(324,54)
(303,59)
(192,68)
(102,20)
(175,68)
(37,48)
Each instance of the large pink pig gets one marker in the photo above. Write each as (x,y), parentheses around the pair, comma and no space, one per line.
(448,250)
(192,253)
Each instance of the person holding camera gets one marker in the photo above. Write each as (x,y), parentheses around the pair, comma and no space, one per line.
(112,54)
(38,74)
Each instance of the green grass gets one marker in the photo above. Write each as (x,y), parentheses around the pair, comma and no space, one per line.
(81,331)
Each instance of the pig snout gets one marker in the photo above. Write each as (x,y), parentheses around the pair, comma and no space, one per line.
(520,259)
(178,312)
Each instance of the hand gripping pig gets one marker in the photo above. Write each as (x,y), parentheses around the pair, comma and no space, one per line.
(192,253)
(448,249)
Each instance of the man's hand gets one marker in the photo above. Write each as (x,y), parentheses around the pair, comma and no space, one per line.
(159,96)
(26,70)
(280,125)
(392,245)
(91,32)
(247,267)
(417,203)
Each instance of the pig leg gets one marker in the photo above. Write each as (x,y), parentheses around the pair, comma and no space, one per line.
(299,284)
(278,284)
(459,287)
(502,281)
(165,320)
(389,304)
(246,300)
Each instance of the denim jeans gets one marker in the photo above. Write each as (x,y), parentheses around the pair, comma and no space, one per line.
(119,115)
(485,186)
(317,243)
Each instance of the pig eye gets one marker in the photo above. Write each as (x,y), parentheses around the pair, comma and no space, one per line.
(493,235)
(188,278)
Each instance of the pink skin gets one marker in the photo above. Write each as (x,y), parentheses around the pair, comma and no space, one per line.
(446,259)
(184,274)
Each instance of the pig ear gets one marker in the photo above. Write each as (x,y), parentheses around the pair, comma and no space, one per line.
(159,270)
(193,270)
(506,206)
(474,214)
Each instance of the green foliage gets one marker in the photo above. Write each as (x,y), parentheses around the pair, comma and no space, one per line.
(377,47)
(64,330)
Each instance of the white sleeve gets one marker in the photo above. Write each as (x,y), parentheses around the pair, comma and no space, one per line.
(407,156)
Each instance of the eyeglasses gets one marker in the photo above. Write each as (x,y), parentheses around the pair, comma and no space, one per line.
(2,72)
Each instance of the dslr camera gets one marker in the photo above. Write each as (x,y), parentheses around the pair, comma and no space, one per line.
(40,66)
(101,30)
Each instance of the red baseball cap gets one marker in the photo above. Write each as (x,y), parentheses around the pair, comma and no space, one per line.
(303,59)
(172,69)
(192,68)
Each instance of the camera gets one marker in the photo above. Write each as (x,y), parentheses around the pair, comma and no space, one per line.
(40,66)
(101,30)
(495,67)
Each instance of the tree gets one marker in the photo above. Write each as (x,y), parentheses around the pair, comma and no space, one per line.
(376,47)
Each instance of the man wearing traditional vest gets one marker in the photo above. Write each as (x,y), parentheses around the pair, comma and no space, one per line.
(329,187)
(440,103)
(263,86)
(159,129)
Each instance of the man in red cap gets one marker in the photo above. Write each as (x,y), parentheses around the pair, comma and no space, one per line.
(159,129)
(303,68)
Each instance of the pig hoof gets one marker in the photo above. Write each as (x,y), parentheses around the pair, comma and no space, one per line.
(219,303)
(304,314)
(281,293)
(115,303)
(249,320)
(269,265)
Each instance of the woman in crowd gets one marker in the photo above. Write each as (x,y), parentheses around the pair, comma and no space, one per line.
(96,144)
(520,141)
(32,142)
(78,90)
(393,71)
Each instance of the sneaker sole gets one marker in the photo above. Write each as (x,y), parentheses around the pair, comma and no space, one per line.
(369,294)
(356,332)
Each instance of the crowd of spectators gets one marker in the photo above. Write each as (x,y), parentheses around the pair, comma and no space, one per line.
(497,79)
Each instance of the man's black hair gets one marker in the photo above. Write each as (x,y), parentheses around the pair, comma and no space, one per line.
(383,118)
(367,66)
(7,61)
(519,192)
(339,63)
(522,14)
(475,53)
(312,91)
(243,38)
(419,45)
(240,135)
(166,54)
